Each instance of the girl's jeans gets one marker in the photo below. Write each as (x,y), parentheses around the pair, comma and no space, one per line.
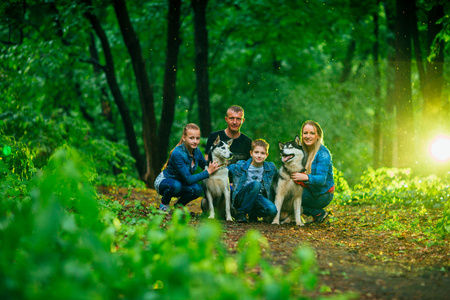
(249,200)
(169,188)
(313,205)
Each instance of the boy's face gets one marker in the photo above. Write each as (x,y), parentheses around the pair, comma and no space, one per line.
(259,155)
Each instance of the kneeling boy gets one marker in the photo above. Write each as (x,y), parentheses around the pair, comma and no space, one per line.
(252,181)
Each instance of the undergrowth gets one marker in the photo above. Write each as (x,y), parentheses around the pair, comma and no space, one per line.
(398,192)
(62,242)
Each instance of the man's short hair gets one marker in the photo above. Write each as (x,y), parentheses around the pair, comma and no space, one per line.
(236,109)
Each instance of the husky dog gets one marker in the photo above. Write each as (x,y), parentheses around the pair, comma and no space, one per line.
(288,198)
(217,186)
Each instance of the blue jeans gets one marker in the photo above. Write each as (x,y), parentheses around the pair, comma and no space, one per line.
(313,205)
(170,187)
(249,200)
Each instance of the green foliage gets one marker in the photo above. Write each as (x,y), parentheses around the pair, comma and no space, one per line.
(15,158)
(340,183)
(62,243)
(443,225)
(397,190)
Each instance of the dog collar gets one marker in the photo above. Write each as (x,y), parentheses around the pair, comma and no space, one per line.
(222,166)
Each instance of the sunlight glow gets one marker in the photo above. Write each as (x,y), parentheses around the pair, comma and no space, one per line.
(440,148)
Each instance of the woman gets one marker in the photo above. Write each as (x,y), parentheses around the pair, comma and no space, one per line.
(318,178)
(177,178)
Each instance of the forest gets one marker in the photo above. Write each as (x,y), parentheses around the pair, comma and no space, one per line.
(95,93)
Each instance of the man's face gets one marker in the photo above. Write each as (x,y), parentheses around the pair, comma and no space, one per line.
(234,120)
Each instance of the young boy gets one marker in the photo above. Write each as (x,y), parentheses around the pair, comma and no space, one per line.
(252,181)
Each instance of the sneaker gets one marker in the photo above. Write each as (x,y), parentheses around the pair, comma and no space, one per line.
(252,218)
(320,218)
(164,208)
(241,218)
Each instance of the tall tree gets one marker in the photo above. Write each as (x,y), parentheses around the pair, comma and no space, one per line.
(432,91)
(155,145)
(402,80)
(149,125)
(378,106)
(110,74)
(201,65)
(387,138)
(170,77)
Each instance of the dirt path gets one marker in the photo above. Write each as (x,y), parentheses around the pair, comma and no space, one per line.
(353,255)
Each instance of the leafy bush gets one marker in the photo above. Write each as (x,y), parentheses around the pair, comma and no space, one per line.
(61,244)
(393,189)
(15,158)
(340,182)
(390,185)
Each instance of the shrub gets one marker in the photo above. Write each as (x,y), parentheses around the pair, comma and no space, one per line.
(61,244)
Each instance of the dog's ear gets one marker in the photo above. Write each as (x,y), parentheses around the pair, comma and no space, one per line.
(297,140)
(229,142)
(280,144)
(217,141)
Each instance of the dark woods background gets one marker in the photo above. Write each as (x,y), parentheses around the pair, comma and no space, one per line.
(119,79)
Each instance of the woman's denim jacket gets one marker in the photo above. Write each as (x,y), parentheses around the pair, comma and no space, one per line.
(321,177)
(179,166)
(238,172)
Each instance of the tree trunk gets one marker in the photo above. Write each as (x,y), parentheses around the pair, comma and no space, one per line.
(417,49)
(106,107)
(377,117)
(115,90)
(170,78)
(434,70)
(402,80)
(348,61)
(201,65)
(149,126)
(387,140)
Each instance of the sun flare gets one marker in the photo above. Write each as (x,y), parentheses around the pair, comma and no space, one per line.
(440,148)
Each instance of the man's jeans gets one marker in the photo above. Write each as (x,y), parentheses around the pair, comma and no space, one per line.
(170,187)
(249,200)
(313,205)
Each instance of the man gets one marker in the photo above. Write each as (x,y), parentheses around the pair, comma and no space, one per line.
(240,147)
(242,144)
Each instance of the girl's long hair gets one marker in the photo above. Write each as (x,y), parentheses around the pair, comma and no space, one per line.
(190,126)
(312,154)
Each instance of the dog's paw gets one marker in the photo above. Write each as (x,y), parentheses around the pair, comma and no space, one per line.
(298,225)
(211,217)
(276,222)
(286,221)
(229,219)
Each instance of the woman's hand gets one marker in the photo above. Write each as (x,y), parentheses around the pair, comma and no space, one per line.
(212,167)
(299,177)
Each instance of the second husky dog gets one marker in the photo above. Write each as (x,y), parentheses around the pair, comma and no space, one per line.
(217,186)
(288,199)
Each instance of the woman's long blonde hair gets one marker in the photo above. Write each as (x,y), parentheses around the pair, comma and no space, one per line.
(312,154)
(190,126)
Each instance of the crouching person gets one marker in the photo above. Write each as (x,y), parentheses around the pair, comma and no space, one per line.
(252,181)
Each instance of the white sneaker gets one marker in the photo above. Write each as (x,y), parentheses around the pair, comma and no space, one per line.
(164,208)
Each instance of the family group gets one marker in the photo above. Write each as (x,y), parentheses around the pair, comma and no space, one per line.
(251,176)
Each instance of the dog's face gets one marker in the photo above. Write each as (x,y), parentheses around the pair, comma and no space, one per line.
(292,152)
(221,149)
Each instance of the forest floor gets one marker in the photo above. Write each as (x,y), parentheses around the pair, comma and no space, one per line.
(355,256)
